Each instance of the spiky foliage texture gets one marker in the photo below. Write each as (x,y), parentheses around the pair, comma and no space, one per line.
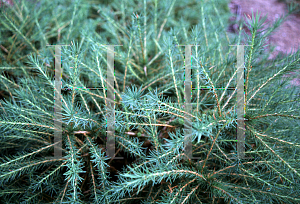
(149,89)
(293,3)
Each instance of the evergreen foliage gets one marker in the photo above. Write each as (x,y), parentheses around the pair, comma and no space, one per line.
(149,112)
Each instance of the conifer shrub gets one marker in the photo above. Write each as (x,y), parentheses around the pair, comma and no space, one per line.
(149,106)
(294,3)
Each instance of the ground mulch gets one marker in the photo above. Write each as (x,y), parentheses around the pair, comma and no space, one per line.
(286,38)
